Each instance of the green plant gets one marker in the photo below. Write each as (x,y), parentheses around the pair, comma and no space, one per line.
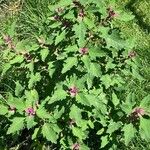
(69,81)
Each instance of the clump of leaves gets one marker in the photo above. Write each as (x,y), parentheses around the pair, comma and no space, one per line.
(68,83)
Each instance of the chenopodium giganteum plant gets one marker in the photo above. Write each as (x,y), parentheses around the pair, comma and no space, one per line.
(70,83)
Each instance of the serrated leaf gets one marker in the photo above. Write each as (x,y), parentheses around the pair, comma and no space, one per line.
(5,68)
(129,133)
(104,141)
(113,126)
(80,33)
(51,69)
(60,37)
(95,70)
(72,48)
(145,103)
(115,99)
(59,94)
(3,110)
(81,98)
(69,63)
(125,17)
(17,125)
(30,122)
(34,78)
(145,129)
(49,133)
(89,22)
(17,59)
(34,135)
(44,53)
(75,114)
(18,89)
(96,53)
(31,97)
(106,80)
(86,60)
(42,113)
(78,133)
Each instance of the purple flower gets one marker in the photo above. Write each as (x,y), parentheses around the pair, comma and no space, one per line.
(84,50)
(132,54)
(76,146)
(138,112)
(81,14)
(73,91)
(111,13)
(30,111)
(56,17)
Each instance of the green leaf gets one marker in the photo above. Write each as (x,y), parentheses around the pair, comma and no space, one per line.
(34,78)
(42,113)
(31,97)
(81,98)
(125,17)
(72,48)
(106,80)
(5,68)
(75,114)
(44,53)
(86,60)
(18,89)
(69,63)
(17,59)
(78,133)
(145,103)
(3,110)
(115,99)
(89,22)
(17,124)
(96,53)
(95,70)
(49,133)
(30,122)
(80,33)
(113,126)
(60,37)
(34,135)
(51,69)
(59,94)
(145,129)
(129,133)
(105,141)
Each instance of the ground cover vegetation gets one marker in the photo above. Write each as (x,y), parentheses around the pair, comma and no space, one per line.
(74,75)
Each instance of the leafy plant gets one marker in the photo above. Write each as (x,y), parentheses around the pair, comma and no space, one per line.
(69,81)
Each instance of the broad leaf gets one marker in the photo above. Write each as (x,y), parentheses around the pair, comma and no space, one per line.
(17,125)
(49,133)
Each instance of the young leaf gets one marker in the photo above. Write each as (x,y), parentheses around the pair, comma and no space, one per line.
(17,124)
(49,133)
